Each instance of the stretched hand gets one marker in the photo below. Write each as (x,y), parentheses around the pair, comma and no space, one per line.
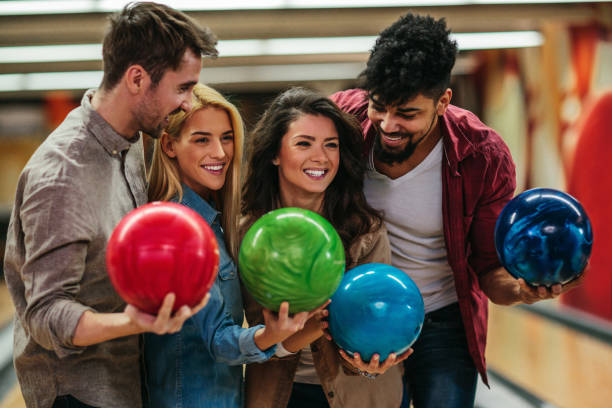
(317,323)
(313,329)
(280,325)
(374,366)
(164,322)
(531,294)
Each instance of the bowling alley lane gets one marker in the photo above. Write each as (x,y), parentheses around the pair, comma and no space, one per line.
(6,306)
(10,397)
(552,354)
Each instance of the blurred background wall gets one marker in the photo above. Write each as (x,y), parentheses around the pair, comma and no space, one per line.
(539,72)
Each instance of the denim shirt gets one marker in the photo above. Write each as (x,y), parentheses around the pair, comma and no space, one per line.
(201,365)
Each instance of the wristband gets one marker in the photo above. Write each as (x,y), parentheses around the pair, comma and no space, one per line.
(281,351)
(367,375)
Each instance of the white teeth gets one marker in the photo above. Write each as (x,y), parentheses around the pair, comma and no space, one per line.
(315,173)
(394,139)
(216,167)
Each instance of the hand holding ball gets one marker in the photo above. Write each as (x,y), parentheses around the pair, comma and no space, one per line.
(159,248)
(293,255)
(544,236)
(376,309)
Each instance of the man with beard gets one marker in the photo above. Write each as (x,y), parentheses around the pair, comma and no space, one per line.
(441,178)
(74,343)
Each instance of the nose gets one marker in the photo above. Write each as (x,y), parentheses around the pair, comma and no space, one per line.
(216,149)
(388,123)
(187,103)
(319,154)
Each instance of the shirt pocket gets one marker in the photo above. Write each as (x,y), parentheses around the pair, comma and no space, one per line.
(229,284)
(227,270)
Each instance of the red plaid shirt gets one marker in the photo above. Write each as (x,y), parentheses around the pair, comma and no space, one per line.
(478,179)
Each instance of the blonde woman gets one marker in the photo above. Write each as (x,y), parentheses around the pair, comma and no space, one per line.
(196,162)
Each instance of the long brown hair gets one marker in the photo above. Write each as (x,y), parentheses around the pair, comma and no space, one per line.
(344,203)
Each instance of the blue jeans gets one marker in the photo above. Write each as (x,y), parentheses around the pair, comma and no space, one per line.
(68,401)
(440,372)
(307,396)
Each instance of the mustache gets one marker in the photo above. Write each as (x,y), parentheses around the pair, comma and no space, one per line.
(403,135)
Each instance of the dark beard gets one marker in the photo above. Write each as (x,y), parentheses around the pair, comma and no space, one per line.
(390,157)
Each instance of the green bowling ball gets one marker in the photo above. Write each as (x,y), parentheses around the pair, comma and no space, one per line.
(292,255)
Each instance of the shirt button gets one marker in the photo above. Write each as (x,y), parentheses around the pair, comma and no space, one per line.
(330,394)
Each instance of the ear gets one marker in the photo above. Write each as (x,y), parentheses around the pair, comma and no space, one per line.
(136,78)
(444,101)
(167,145)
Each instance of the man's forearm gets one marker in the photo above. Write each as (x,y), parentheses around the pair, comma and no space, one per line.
(94,328)
(500,287)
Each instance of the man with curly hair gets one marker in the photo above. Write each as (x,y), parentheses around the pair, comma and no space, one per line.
(441,178)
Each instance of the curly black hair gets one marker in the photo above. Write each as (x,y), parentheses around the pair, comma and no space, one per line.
(413,56)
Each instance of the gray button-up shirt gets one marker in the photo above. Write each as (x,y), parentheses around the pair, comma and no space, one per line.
(74,190)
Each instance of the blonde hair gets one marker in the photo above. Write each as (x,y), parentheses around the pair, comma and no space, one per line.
(164,176)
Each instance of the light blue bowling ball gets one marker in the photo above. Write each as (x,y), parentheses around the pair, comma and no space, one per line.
(544,236)
(376,309)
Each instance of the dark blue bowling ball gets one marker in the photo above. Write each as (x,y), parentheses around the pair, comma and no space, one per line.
(376,309)
(544,236)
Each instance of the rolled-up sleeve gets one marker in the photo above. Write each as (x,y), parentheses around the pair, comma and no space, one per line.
(228,342)
(56,234)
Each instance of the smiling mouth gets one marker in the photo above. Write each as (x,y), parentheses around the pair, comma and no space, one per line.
(214,168)
(393,138)
(392,141)
(316,174)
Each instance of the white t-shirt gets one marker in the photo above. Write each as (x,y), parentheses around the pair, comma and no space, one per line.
(412,206)
(306,371)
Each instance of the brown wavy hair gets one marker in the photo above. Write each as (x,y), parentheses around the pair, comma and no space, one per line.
(154,36)
(344,203)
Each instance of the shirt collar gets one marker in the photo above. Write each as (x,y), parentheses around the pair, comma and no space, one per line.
(456,145)
(112,141)
(193,200)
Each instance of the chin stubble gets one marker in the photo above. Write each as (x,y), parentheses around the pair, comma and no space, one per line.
(390,157)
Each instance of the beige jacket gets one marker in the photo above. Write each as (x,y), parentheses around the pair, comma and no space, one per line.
(269,384)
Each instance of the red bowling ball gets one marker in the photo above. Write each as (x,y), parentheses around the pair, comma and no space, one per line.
(159,248)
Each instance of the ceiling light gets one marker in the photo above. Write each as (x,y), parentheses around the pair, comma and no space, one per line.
(44,81)
(273,46)
(104,6)
(292,73)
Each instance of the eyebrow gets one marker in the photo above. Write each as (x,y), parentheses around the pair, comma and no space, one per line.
(408,110)
(202,133)
(313,138)
(401,110)
(188,84)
